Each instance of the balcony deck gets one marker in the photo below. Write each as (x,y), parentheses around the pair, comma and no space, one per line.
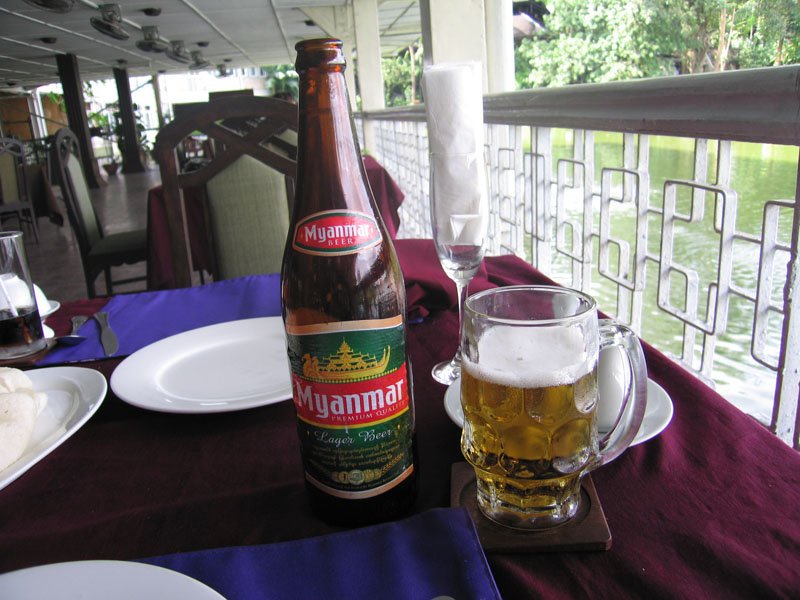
(559,208)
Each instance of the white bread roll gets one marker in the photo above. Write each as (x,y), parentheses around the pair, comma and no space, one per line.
(19,408)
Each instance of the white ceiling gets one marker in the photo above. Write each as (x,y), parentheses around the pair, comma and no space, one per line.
(240,33)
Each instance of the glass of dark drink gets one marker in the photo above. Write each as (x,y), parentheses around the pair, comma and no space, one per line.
(20,325)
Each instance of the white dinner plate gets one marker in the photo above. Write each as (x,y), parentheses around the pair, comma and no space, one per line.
(657,415)
(73,395)
(219,368)
(101,580)
(48,332)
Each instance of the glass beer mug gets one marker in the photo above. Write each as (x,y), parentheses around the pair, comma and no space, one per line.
(529,395)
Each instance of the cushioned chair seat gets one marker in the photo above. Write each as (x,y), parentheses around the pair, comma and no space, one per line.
(99,252)
(123,244)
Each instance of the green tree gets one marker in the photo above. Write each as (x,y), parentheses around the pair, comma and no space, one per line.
(401,76)
(609,40)
(595,41)
(282,80)
(768,33)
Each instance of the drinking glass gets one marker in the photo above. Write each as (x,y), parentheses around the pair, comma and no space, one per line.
(459,218)
(20,325)
(529,392)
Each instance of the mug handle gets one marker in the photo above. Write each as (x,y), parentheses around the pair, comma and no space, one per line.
(634,402)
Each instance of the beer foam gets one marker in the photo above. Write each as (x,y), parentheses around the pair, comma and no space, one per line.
(532,357)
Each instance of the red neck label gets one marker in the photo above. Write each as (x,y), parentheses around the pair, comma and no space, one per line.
(336,232)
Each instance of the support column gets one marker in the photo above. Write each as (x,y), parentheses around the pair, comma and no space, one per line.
(76,115)
(500,46)
(454,31)
(131,156)
(157,94)
(368,63)
(38,124)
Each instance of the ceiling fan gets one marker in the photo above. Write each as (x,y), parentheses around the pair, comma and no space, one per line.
(177,51)
(151,41)
(198,62)
(110,21)
(59,6)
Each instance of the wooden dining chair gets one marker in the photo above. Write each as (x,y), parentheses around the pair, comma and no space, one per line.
(244,186)
(99,251)
(15,201)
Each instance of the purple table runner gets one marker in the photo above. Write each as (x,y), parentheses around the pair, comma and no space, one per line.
(433,554)
(143,318)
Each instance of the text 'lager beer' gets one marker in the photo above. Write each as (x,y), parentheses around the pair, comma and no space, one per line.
(344,312)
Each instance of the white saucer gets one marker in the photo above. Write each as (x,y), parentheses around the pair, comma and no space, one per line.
(102,579)
(51,307)
(656,417)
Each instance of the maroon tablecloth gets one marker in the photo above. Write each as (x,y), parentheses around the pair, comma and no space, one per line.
(388,197)
(708,509)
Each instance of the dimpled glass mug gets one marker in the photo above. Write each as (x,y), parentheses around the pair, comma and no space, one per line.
(529,395)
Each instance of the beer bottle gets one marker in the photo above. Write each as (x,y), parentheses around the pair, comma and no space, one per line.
(343,304)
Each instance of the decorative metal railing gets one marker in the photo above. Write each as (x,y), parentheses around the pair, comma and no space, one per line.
(585,183)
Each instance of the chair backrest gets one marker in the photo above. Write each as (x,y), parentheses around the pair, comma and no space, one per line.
(246,181)
(13,186)
(66,159)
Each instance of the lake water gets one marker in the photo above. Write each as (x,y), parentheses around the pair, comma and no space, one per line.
(760,173)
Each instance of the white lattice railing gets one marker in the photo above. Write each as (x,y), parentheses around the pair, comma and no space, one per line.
(583,185)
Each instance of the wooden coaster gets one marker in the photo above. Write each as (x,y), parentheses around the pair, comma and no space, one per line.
(588,530)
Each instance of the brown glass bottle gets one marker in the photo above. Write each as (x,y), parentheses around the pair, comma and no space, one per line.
(344,310)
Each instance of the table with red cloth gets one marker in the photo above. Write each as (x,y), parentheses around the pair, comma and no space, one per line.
(388,197)
(710,508)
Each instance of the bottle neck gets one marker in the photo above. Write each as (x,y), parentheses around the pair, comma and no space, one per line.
(327,137)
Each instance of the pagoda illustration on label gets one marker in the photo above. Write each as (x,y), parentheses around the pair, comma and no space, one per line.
(345,365)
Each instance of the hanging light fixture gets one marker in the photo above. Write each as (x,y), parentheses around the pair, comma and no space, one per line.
(198,62)
(110,22)
(177,51)
(59,6)
(223,71)
(151,41)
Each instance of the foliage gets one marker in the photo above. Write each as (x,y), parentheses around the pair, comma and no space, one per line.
(595,41)
(768,33)
(282,80)
(401,76)
(610,40)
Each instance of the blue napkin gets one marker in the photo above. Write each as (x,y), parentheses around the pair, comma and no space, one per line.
(143,318)
(433,554)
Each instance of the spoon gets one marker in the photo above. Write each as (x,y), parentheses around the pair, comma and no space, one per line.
(73,338)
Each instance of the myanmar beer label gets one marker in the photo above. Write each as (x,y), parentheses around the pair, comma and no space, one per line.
(351,392)
(335,232)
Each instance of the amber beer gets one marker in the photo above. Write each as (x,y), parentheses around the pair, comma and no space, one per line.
(529,443)
(344,312)
(529,395)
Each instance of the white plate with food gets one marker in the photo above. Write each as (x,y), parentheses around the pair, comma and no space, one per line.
(219,368)
(657,415)
(73,395)
(100,580)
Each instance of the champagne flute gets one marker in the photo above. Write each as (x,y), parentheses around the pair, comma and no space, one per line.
(459,219)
